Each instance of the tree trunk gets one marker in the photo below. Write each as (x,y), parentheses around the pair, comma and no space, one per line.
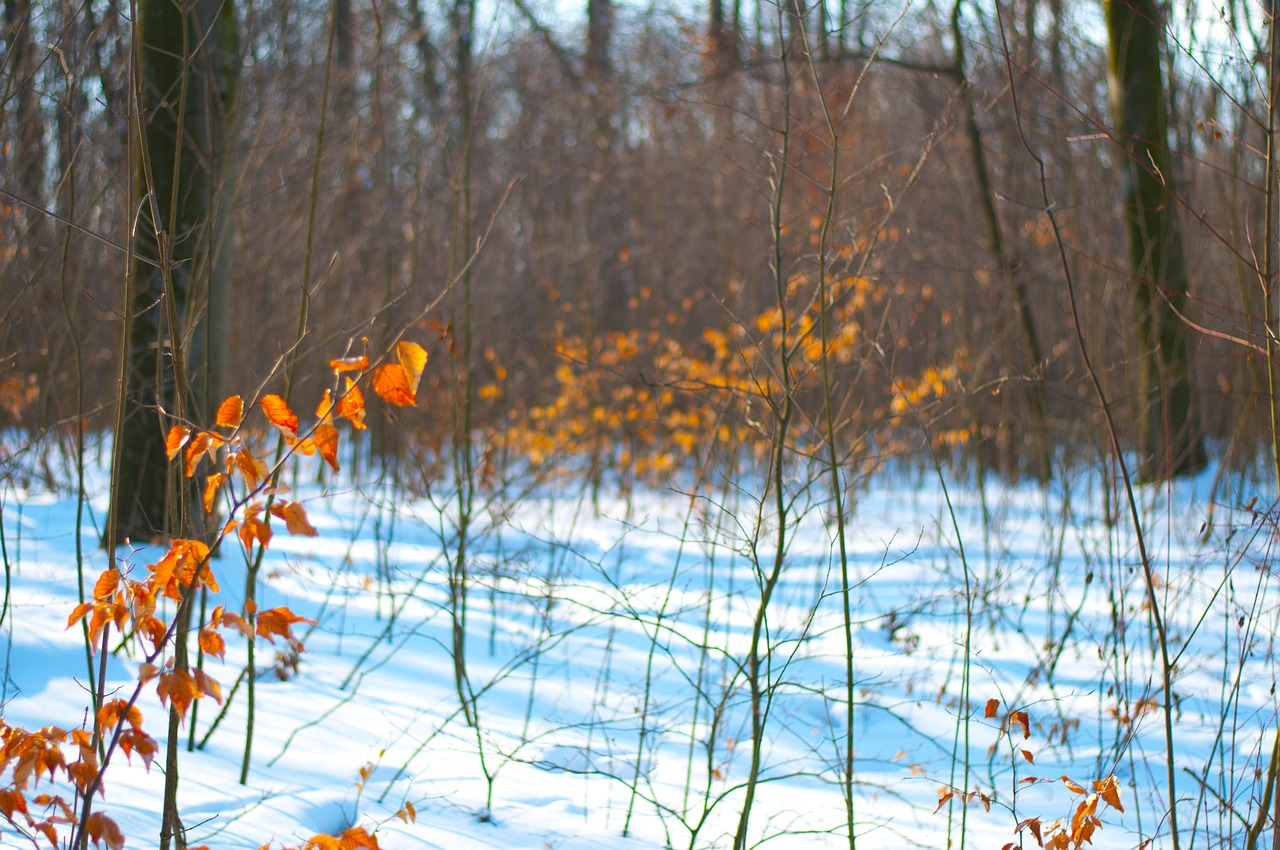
(188,73)
(1169,436)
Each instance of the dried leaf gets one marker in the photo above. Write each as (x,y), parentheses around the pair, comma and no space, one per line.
(295,518)
(1109,790)
(326,441)
(993,707)
(351,405)
(176,439)
(280,415)
(278,621)
(230,413)
(252,470)
(212,644)
(211,490)
(1073,787)
(944,794)
(103,830)
(413,358)
(350,364)
(1032,824)
(106,584)
(391,383)
(1026,755)
(324,411)
(1020,718)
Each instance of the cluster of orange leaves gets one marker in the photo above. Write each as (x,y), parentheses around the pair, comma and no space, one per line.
(132,605)
(1069,833)
(656,399)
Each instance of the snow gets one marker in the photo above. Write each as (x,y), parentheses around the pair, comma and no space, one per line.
(607,637)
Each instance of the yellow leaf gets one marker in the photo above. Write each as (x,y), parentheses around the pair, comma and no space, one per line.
(413,358)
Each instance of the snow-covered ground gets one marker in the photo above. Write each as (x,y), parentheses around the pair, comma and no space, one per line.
(607,646)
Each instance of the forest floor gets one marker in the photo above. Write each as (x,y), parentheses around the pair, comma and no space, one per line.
(606,643)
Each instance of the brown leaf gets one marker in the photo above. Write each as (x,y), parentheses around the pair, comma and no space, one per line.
(1020,718)
(1026,755)
(993,707)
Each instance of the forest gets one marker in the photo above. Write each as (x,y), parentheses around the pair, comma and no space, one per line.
(578,423)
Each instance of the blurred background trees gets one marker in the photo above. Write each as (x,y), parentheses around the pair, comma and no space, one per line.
(615,161)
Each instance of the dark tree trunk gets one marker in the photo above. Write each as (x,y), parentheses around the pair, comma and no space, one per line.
(186,86)
(1169,436)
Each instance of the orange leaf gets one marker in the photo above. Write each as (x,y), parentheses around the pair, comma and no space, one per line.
(993,707)
(295,518)
(322,842)
(78,613)
(325,410)
(211,490)
(391,383)
(1026,755)
(213,644)
(103,830)
(355,838)
(1109,789)
(251,469)
(208,685)
(1073,787)
(351,405)
(230,413)
(203,443)
(326,440)
(106,584)
(180,687)
(253,528)
(278,621)
(413,358)
(349,364)
(1020,718)
(279,414)
(176,439)
(944,794)
(1032,824)
(306,446)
